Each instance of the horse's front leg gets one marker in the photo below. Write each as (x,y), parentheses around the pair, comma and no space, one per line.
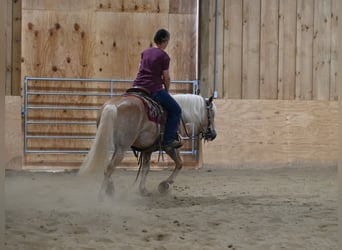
(165,185)
(146,161)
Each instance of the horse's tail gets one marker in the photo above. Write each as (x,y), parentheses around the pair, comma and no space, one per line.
(103,145)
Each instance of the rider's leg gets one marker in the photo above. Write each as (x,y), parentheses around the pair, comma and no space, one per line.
(174,114)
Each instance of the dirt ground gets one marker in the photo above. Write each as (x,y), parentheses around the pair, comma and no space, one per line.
(211,208)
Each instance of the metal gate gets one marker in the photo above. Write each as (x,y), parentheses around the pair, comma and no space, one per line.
(53,88)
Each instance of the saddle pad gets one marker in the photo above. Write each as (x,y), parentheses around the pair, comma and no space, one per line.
(154,111)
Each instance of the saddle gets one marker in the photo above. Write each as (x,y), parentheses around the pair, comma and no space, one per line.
(155,113)
(154,110)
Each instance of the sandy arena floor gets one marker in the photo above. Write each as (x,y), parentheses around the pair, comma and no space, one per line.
(283,208)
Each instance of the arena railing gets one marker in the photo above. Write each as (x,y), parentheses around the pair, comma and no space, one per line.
(29,83)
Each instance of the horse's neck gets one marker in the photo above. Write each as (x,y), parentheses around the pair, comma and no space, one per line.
(193,111)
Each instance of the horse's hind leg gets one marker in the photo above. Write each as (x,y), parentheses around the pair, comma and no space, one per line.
(165,185)
(107,186)
(146,157)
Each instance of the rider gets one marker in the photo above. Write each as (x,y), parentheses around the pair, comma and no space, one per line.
(154,76)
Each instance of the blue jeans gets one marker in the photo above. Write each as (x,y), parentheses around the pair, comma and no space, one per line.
(174,114)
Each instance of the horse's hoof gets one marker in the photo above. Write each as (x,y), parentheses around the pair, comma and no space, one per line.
(145,193)
(164,187)
(110,191)
(100,198)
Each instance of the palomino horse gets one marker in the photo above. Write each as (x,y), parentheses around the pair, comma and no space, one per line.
(123,123)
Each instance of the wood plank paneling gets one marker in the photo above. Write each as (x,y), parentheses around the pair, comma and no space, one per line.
(218,59)
(84,43)
(8,55)
(266,55)
(136,6)
(183,7)
(61,5)
(232,49)
(57,44)
(272,133)
(139,38)
(304,44)
(183,39)
(287,50)
(333,52)
(321,50)
(16,48)
(118,50)
(212,48)
(3,49)
(269,49)
(251,50)
(204,49)
(111,45)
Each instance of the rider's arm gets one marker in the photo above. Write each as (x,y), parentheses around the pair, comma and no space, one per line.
(166,79)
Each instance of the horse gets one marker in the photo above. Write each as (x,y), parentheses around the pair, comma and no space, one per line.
(123,123)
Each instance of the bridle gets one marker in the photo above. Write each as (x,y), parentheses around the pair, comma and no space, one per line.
(206,132)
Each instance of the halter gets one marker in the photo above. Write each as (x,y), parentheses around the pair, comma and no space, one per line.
(206,132)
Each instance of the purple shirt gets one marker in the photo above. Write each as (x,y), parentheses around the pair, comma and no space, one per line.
(153,62)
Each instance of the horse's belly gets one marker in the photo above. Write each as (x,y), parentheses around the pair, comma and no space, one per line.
(148,137)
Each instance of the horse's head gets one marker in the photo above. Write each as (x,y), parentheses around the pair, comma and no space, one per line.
(209,132)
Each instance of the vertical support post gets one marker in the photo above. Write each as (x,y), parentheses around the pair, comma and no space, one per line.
(3,8)
(25,112)
(339,89)
(16,47)
(204,74)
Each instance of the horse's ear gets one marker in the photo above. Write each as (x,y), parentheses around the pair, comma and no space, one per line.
(211,98)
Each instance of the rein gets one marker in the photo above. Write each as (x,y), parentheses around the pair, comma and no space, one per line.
(186,131)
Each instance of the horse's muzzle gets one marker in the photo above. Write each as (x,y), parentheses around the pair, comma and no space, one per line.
(213,134)
(209,135)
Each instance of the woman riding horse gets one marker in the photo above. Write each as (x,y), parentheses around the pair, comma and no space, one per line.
(154,76)
(123,122)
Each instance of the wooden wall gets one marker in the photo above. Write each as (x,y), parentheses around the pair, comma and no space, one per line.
(269,49)
(276,65)
(13,51)
(265,49)
(13,136)
(104,38)
(274,133)
(3,49)
(95,39)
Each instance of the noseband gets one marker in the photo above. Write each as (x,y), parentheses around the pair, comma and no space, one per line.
(206,133)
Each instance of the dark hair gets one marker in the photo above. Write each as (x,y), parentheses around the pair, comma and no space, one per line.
(161,35)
